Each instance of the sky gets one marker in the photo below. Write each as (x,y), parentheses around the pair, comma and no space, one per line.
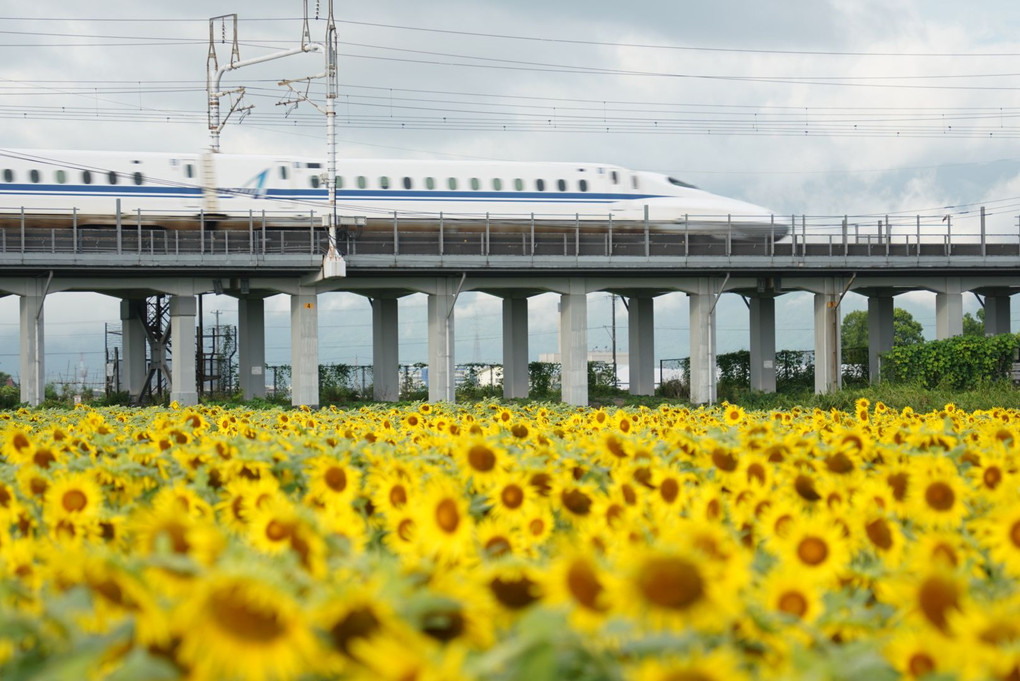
(816,107)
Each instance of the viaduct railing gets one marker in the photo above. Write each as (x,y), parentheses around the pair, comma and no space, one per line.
(790,237)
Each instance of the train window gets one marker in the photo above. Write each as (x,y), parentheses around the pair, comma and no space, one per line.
(582,185)
(633,181)
(615,177)
(283,172)
(497,184)
(339,182)
(408,183)
(112,177)
(384,182)
(540,185)
(138,178)
(430,183)
(61,177)
(561,185)
(362,182)
(519,184)
(313,165)
(33,176)
(475,184)
(8,175)
(86,177)
(189,171)
(314,179)
(680,183)
(452,183)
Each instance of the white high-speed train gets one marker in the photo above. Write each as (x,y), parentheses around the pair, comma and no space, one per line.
(178,191)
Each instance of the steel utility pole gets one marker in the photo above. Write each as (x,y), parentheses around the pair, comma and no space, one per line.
(215,73)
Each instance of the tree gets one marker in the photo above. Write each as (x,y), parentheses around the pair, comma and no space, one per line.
(906,329)
(972,326)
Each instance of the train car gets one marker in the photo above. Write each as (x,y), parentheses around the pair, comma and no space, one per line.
(222,191)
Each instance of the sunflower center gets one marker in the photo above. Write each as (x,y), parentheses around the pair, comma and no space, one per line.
(687,675)
(405,528)
(898,483)
(724,461)
(74,501)
(812,551)
(444,625)
(615,447)
(512,496)
(669,489)
(756,472)
(497,546)
(992,477)
(243,620)
(447,516)
(920,664)
(358,623)
(839,463)
(936,596)
(940,496)
(793,603)
(514,593)
(536,527)
(805,487)
(576,501)
(21,441)
(336,479)
(277,531)
(481,458)
(672,583)
(542,482)
(584,585)
(178,537)
(1014,534)
(1000,633)
(43,458)
(879,534)
(398,495)
(519,431)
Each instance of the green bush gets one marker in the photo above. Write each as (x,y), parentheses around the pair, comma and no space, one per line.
(10,396)
(959,363)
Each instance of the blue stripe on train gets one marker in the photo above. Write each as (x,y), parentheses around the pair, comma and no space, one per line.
(321,194)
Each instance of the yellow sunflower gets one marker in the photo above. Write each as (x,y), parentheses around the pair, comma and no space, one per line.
(999,533)
(444,528)
(240,627)
(815,545)
(76,497)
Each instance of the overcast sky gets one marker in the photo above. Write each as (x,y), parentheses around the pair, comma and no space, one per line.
(817,107)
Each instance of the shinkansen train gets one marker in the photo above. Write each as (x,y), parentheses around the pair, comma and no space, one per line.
(222,191)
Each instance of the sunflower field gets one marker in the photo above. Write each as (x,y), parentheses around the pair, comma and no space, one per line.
(487,541)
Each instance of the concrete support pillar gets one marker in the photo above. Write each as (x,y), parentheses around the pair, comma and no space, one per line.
(949,310)
(881,315)
(828,357)
(574,344)
(251,347)
(763,344)
(442,376)
(641,338)
(304,348)
(183,383)
(132,370)
(33,350)
(703,328)
(385,350)
(996,314)
(515,347)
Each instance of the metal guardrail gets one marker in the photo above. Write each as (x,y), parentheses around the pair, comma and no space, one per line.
(791,237)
